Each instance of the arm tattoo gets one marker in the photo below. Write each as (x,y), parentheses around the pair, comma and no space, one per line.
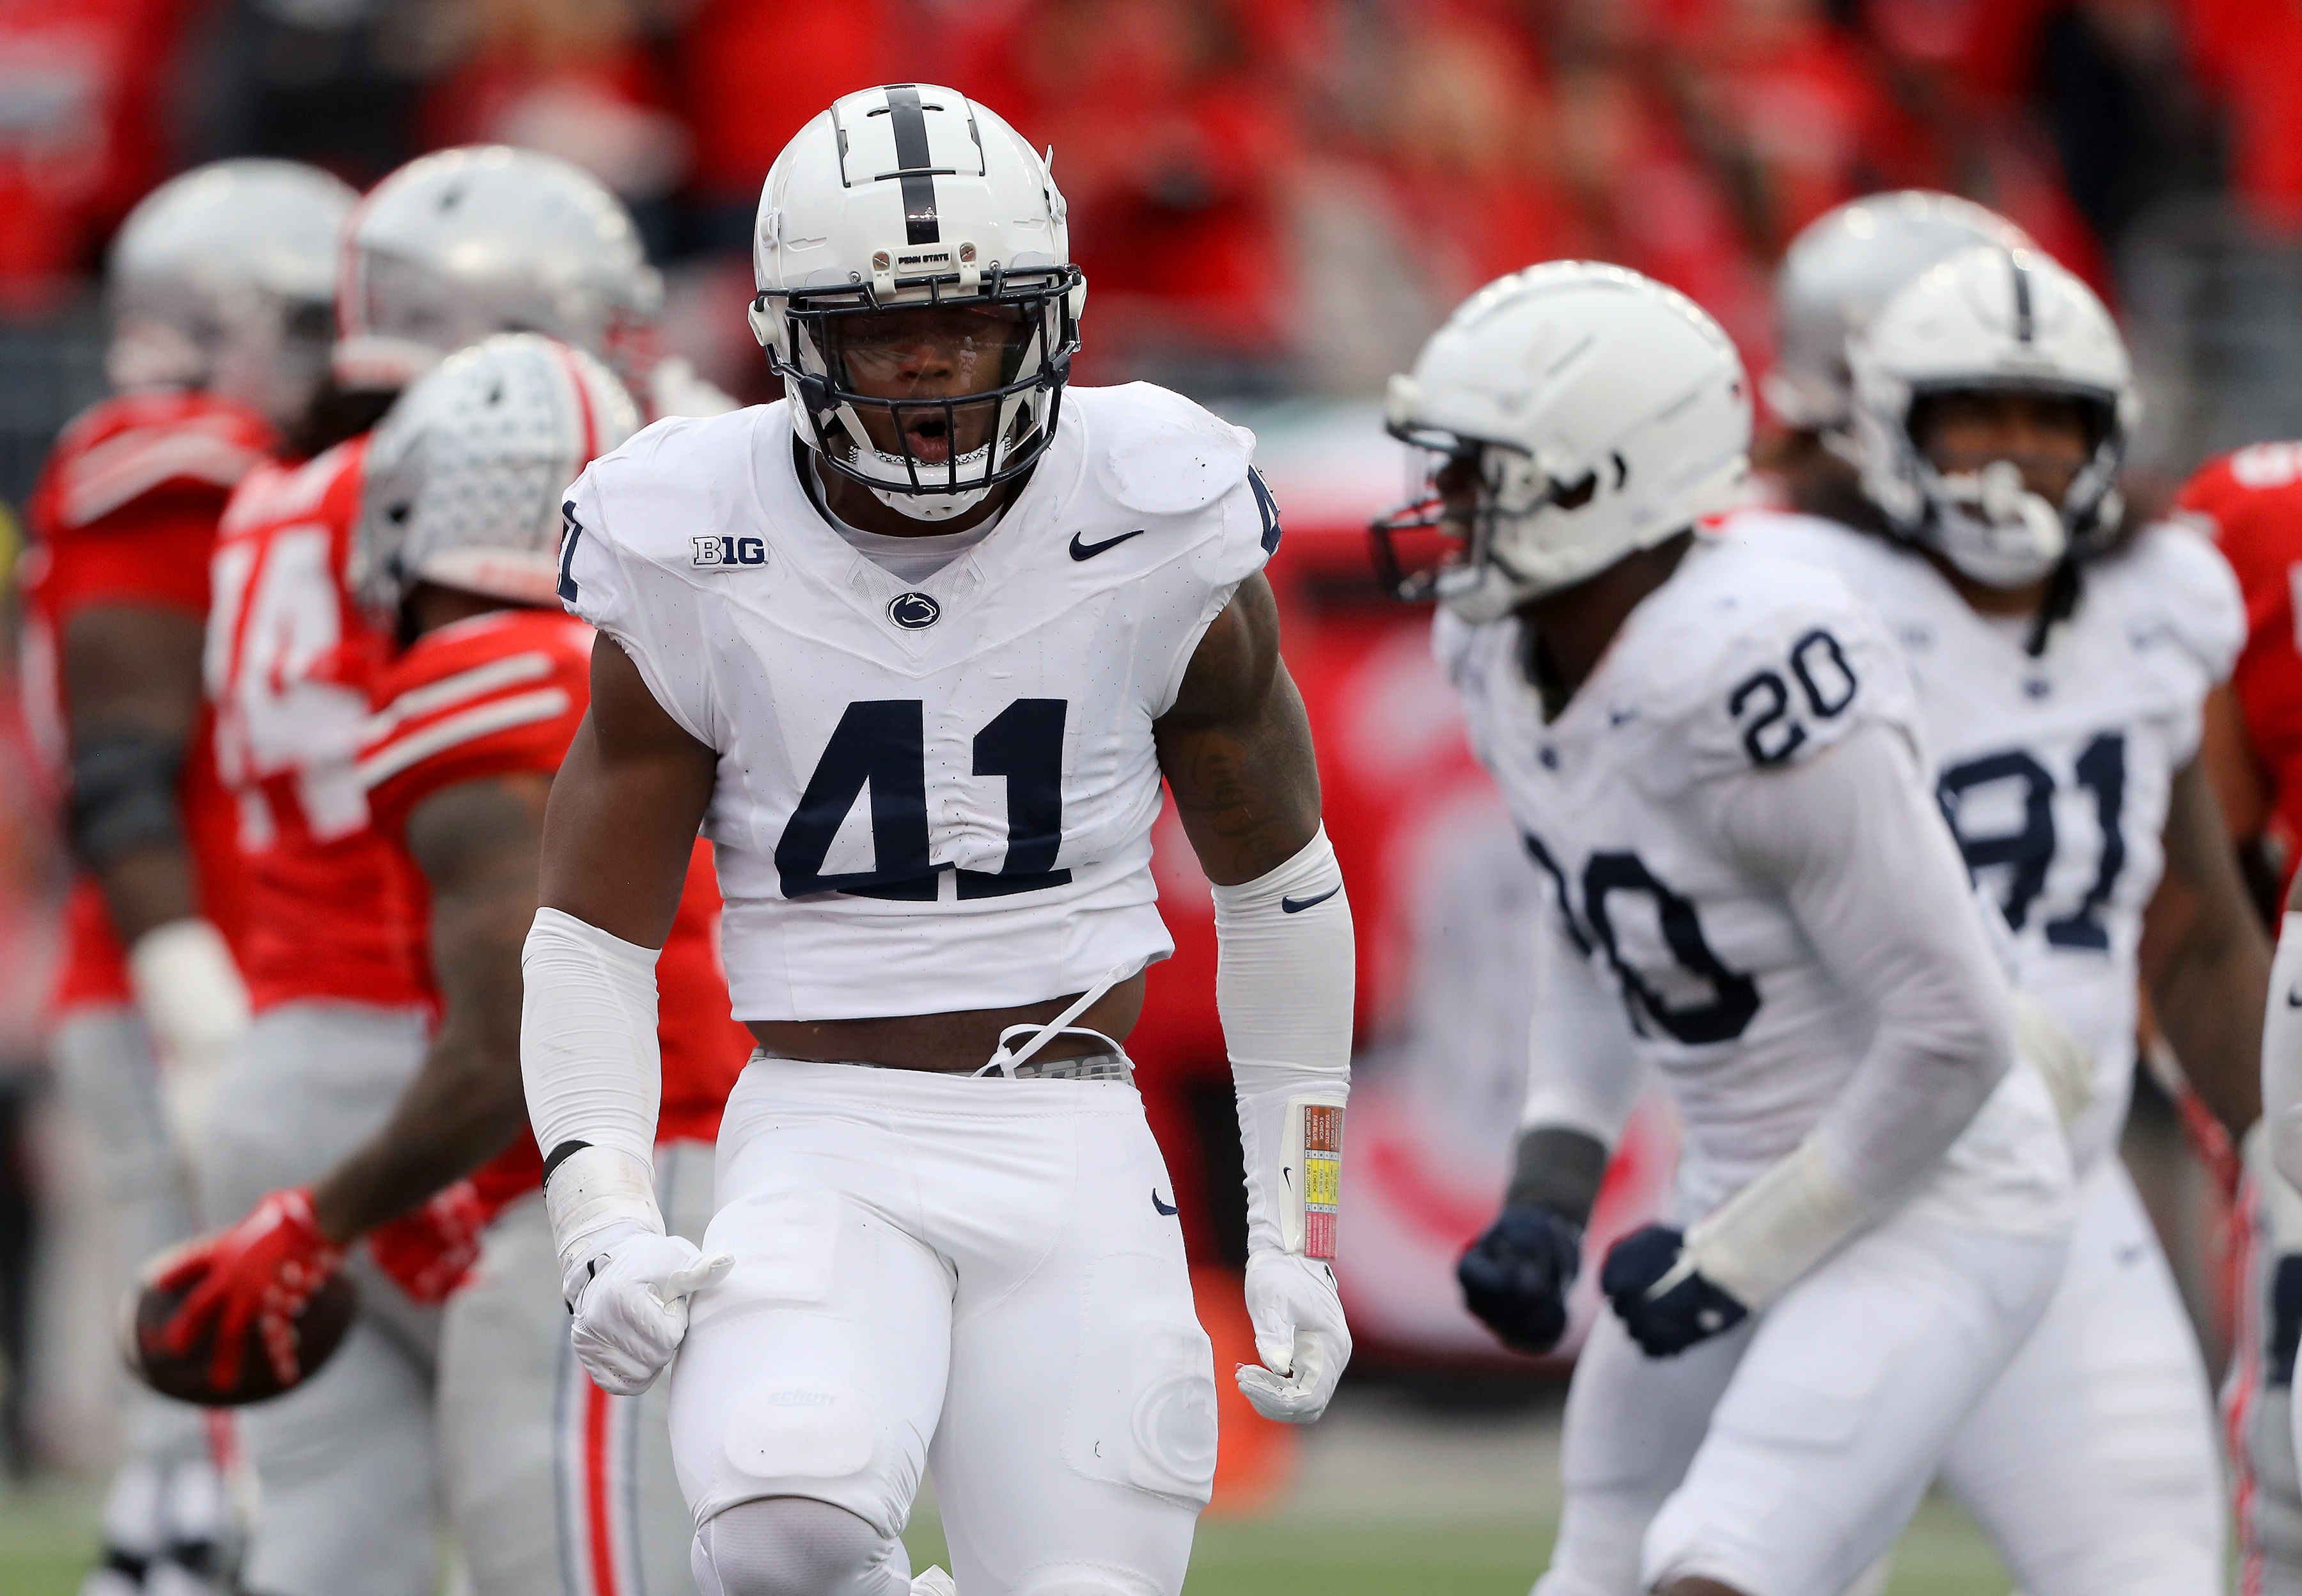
(1235,747)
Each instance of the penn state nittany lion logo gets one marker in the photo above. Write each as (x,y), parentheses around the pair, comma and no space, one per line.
(912,611)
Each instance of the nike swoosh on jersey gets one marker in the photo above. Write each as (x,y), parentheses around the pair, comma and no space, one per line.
(1163,1208)
(1080,550)
(2293,998)
(1296,905)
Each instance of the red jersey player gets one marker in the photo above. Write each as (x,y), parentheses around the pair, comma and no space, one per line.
(444,251)
(217,345)
(2251,502)
(544,1471)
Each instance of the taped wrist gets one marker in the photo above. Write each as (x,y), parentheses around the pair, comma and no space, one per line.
(587,1043)
(124,794)
(1284,971)
(1776,1228)
(1557,1168)
(591,1191)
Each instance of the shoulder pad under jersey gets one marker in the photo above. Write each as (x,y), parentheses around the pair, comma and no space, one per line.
(1158,453)
(1760,660)
(498,692)
(2171,577)
(123,447)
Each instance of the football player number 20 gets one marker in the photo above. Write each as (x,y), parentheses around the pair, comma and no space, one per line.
(1609,876)
(881,743)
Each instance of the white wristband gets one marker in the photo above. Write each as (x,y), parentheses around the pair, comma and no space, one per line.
(592,1190)
(190,991)
(188,986)
(1776,1228)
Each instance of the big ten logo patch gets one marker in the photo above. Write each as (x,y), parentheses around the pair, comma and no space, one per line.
(715,552)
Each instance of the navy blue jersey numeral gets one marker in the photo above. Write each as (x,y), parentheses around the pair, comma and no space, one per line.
(1024,743)
(881,743)
(1733,999)
(573,530)
(1735,996)
(2027,853)
(1823,676)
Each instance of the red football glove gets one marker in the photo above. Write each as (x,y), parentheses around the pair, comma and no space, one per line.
(430,1251)
(261,1272)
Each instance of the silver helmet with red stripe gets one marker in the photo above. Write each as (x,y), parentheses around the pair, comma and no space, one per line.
(485,238)
(465,475)
(221,279)
(916,294)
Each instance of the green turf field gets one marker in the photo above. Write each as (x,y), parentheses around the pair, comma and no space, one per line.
(1394,1499)
(45,1539)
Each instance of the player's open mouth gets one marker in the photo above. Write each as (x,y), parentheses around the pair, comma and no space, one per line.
(928,439)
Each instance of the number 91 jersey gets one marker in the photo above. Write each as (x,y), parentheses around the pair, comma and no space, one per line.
(2055,771)
(932,795)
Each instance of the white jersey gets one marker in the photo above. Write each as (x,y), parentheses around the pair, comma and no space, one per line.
(933,795)
(2055,771)
(1741,661)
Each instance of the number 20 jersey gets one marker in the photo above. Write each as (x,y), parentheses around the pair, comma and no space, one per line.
(1744,662)
(2055,771)
(933,795)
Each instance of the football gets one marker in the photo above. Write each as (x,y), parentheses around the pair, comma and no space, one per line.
(320,1330)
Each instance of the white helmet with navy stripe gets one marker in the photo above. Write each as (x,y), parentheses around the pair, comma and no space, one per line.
(465,475)
(1601,413)
(1992,320)
(898,206)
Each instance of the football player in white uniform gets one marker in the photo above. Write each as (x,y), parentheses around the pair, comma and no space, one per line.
(2062,674)
(917,644)
(1713,753)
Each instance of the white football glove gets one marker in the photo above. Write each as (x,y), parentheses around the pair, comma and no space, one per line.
(628,1293)
(2054,1051)
(1299,1334)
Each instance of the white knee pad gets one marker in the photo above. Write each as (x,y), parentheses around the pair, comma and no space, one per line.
(795,1546)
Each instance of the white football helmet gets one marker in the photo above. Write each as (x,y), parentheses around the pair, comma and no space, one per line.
(1992,320)
(221,279)
(465,475)
(897,198)
(1840,270)
(462,243)
(1604,413)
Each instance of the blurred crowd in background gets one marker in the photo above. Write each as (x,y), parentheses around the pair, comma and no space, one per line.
(1270,198)
(1267,195)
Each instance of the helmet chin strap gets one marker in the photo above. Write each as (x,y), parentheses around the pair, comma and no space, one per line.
(1993,528)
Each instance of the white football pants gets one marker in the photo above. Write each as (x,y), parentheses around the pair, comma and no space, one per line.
(1783,1458)
(555,1487)
(103,1058)
(344,1462)
(983,1277)
(2258,1389)
(2091,1463)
